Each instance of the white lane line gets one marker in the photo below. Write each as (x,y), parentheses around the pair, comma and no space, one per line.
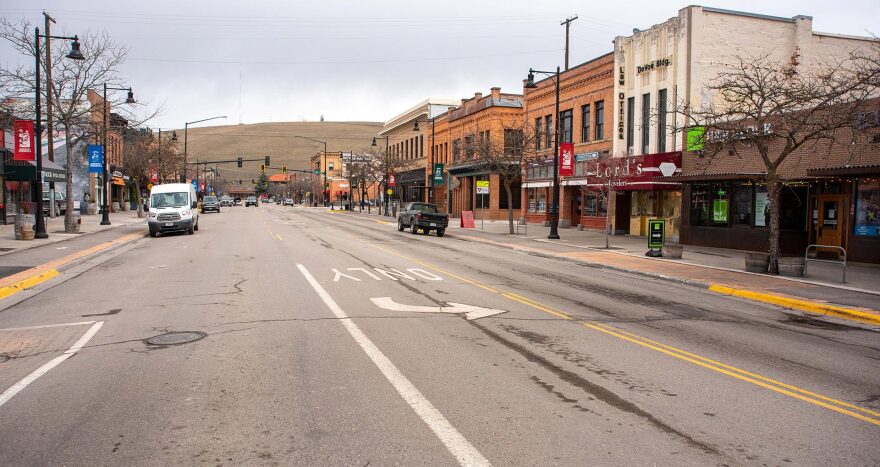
(24,328)
(17,387)
(458,446)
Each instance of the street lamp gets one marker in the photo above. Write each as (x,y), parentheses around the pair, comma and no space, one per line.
(105,208)
(324,189)
(554,207)
(185,128)
(74,54)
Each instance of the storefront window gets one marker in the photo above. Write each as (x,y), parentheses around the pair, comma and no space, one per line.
(644,203)
(542,201)
(762,206)
(533,203)
(793,208)
(710,204)
(595,204)
(867,206)
(741,209)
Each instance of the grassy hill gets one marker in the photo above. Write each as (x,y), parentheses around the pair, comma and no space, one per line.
(277,140)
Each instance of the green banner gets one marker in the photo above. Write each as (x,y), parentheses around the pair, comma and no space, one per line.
(438,174)
(696,138)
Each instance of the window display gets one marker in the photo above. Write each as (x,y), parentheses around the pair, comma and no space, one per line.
(867,222)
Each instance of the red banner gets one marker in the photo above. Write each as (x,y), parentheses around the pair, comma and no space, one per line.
(566,159)
(392,181)
(23,132)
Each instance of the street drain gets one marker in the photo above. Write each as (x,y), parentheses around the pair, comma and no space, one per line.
(176,338)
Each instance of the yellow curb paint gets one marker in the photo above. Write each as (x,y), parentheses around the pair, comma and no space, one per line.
(27,283)
(33,276)
(797,304)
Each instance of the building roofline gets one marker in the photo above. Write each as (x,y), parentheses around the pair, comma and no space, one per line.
(563,72)
(414,112)
(753,15)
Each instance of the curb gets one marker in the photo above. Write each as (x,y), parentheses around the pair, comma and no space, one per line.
(797,304)
(29,278)
(82,234)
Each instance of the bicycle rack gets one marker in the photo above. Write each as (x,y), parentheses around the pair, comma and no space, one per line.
(807,259)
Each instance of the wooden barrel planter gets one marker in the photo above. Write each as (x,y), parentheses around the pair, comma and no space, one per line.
(757,262)
(792,266)
(21,220)
(672,251)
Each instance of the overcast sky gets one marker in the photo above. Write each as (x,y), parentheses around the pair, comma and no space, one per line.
(259,61)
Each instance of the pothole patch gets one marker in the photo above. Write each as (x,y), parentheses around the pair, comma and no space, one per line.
(176,338)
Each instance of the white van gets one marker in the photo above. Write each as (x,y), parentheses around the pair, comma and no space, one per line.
(173,209)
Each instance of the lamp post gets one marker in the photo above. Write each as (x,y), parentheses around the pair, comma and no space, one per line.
(185,128)
(554,207)
(431,157)
(324,188)
(74,54)
(105,208)
(384,178)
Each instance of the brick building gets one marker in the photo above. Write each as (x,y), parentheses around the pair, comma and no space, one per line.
(585,107)
(479,122)
(117,182)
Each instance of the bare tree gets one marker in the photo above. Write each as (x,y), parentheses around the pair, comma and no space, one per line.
(70,84)
(136,153)
(383,164)
(779,110)
(506,156)
(357,172)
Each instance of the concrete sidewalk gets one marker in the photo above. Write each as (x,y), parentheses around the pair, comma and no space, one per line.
(55,229)
(721,270)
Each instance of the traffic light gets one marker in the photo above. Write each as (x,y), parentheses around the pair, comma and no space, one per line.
(262,168)
(239,161)
(267,161)
(284,169)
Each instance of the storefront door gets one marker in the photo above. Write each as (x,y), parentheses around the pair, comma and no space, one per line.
(577,203)
(830,220)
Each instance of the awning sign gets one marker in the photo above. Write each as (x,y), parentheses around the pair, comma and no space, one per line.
(566,159)
(24,140)
(96,158)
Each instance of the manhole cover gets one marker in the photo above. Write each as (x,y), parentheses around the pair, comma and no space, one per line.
(176,338)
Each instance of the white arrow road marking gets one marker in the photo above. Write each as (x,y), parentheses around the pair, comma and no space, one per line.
(469,311)
(463,451)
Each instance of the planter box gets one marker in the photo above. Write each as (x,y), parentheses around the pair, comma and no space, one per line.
(672,251)
(792,266)
(757,262)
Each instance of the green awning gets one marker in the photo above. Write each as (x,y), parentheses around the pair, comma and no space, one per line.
(26,171)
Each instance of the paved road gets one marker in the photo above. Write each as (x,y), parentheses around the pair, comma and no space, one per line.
(336,340)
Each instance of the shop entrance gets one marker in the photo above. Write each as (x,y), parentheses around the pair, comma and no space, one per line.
(829,221)
(577,205)
(621,212)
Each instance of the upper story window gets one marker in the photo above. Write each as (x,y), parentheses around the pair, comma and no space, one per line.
(585,123)
(548,131)
(646,122)
(661,121)
(600,120)
(538,133)
(565,126)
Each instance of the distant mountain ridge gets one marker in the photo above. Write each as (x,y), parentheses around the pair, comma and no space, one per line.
(277,140)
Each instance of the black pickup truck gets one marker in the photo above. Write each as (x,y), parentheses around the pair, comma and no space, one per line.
(422,216)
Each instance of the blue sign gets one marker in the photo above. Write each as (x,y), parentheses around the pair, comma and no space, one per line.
(210,189)
(96,158)
(196,184)
(867,230)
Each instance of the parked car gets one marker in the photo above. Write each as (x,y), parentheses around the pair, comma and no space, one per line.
(422,216)
(210,203)
(173,209)
(288,202)
(60,203)
(251,201)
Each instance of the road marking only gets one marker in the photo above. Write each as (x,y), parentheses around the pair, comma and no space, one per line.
(455,442)
(19,386)
(469,311)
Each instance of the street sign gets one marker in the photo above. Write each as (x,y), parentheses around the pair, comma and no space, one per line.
(482,187)
(656,233)
(438,174)
(96,158)
(389,191)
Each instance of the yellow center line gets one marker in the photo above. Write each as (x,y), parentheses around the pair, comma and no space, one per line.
(729,370)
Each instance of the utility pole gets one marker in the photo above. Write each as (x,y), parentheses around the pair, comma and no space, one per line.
(51,148)
(567,24)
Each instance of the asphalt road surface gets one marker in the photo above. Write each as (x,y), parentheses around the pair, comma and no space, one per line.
(332,339)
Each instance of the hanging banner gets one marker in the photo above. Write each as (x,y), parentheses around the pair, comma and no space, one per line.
(23,131)
(392,180)
(566,159)
(438,174)
(154,174)
(96,158)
